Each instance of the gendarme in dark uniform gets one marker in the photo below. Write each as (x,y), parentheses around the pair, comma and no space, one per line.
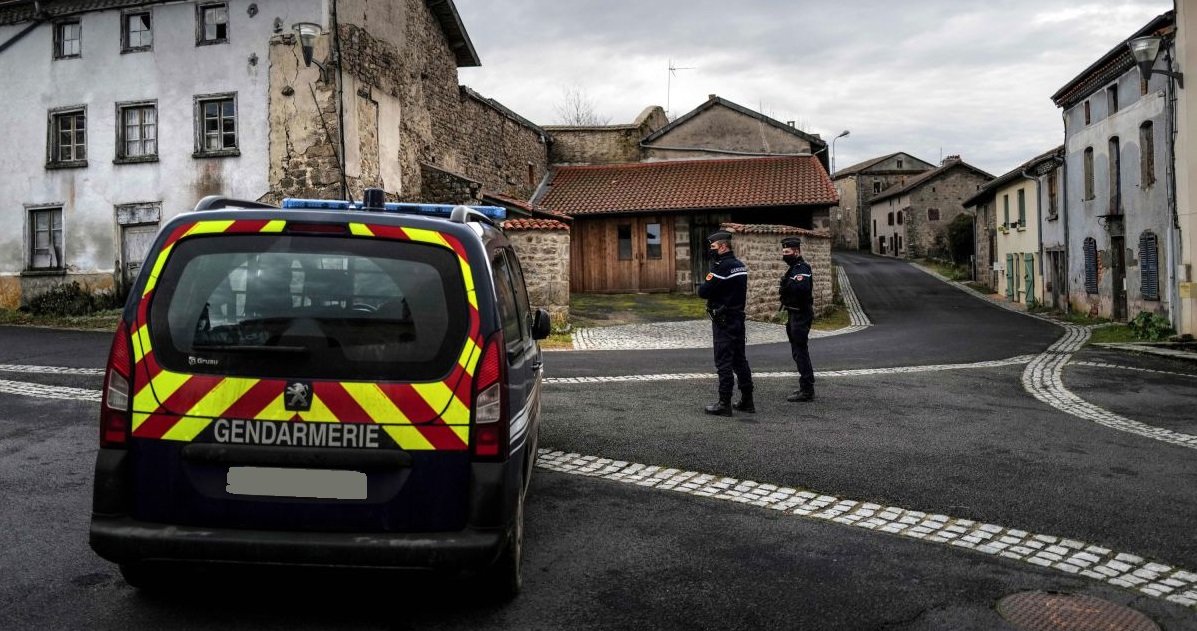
(797,298)
(726,291)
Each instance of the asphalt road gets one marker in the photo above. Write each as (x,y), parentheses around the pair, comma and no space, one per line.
(969,443)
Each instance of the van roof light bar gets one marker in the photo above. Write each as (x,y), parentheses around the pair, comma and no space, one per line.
(488,214)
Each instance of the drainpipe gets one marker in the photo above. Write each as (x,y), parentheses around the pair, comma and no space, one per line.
(1064,205)
(336,38)
(1174,242)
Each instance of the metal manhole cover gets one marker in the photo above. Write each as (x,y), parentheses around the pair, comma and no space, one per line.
(1042,611)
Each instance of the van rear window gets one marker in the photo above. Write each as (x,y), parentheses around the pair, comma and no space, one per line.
(312,307)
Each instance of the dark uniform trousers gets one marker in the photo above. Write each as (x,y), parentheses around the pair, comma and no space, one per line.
(798,330)
(729,355)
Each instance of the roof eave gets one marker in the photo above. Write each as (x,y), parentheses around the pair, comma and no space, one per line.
(455,32)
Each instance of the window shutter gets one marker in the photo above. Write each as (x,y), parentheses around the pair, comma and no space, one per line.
(1010,276)
(1149,266)
(1091,265)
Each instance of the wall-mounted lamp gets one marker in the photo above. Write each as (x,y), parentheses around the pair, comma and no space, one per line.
(1145,51)
(308,32)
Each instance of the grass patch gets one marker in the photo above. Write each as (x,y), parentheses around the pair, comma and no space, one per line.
(592,310)
(558,341)
(99,321)
(834,318)
(1115,334)
(948,270)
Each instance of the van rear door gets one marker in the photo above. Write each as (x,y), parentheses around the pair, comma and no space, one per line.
(301,379)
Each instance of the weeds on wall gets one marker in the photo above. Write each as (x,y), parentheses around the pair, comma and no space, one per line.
(1151,326)
(71,300)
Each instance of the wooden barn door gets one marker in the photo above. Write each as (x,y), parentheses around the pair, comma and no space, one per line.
(622,254)
(656,254)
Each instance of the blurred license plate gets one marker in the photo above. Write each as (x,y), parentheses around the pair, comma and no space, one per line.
(313,483)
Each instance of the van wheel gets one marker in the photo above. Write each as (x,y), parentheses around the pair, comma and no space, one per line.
(504,579)
(144,576)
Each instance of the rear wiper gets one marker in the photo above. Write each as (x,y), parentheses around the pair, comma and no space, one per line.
(249,348)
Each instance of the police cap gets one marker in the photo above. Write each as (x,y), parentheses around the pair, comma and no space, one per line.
(720,235)
(791,242)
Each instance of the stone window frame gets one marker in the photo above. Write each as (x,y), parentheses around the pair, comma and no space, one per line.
(876,186)
(59,39)
(201,150)
(122,157)
(1089,192)
(933,214)
(1112,104)
(55,210)
(126,33)
(54,150)
(1147,154)
(201,10)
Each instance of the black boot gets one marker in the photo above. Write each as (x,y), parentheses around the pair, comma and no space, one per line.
(801,396)
(745,403)
(722,408)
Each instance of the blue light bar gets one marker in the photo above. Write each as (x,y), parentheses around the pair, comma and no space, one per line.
(321,204)
(496,213)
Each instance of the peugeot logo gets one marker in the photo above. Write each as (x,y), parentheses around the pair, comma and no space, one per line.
(298,396)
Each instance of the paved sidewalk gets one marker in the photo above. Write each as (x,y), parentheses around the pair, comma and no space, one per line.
(697,333)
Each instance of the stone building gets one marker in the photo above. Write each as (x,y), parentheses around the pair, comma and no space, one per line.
(1009,214)
(1185,168)
(857,185)
(644,196)
(144,107)
(1119,214)
(909,220)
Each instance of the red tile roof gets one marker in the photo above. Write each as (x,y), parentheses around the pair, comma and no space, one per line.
(534,224)
(690,185)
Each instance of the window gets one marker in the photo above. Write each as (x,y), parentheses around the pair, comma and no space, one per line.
(899,238)
(891,218)
(1022,208)
(899,216)
(68,39)
(1088,116)
(932,214)
(360,308)
(212,24)
(1149,266)
(1115,176)
(216,125)
(45,238)
(1088,173)
(899,163)
(67,146)
(136,32)
(876,187)
(1090,249)
(874,226)
(1006,210)
(932,189)
(1112,98)
(137,132)
(508,307)
(1053,196)
(1146,154)
(521,294)
(624,238)
(1142,84)
(652,242)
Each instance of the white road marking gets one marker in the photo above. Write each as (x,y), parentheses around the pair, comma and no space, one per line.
(1135,368)
(1071,556)
(1043,378)
(1013,361)
(49,370)
(48,392)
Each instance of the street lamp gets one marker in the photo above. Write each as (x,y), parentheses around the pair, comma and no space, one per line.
(842,134)
(1145,51)
(308,32)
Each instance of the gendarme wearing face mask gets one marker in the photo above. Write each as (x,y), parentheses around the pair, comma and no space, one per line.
(797,297)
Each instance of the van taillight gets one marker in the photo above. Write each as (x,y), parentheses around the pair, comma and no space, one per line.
(490,404)
(114,402)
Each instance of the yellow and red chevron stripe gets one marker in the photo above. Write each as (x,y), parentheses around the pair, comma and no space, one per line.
(417,416)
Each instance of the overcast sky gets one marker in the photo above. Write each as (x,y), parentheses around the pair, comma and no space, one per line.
(932,78)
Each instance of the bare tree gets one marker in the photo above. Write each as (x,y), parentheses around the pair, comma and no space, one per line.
(577,108)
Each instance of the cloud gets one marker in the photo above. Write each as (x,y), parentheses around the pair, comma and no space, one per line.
(967,78)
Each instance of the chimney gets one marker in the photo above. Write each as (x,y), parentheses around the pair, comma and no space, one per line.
(952,158)
(790,123)
(712,97)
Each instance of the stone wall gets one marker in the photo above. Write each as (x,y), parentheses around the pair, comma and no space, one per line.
(946,193)
(759,248)
(604,144)
(543,249)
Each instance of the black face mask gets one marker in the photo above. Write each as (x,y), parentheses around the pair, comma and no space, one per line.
(790,259)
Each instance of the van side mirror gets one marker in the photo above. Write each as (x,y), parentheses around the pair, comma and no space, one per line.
(540,325)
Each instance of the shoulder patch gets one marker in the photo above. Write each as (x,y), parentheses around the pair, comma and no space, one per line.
(710,276)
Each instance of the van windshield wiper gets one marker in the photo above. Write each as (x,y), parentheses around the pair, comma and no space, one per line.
(249,348)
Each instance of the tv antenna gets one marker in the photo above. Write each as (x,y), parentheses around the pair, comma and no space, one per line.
(669,83)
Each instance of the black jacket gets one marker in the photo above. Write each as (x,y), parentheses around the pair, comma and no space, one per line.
(797,288)
(727,283)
